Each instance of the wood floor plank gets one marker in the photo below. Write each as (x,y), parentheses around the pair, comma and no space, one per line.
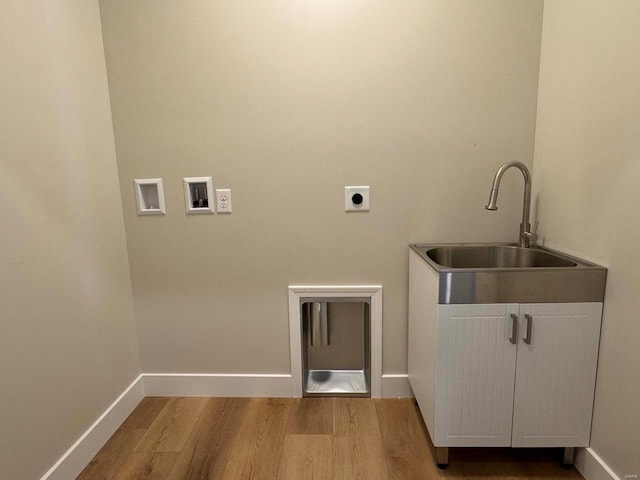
(147,466)
(258,447)
(544,464)
(358,453)
(145,413)
(405,441)
(112,455)
(311,415)
(358,457)
(355,415)
(208,448)
(173,425)
(483,464)
(307,457)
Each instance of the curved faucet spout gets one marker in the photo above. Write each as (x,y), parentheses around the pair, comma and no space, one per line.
(525,227)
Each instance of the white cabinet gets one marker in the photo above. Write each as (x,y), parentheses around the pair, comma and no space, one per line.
(493,389)
(520,375)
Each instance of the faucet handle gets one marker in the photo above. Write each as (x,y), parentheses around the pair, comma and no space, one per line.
(533,235)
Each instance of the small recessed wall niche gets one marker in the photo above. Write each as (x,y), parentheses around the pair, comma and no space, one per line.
(198,195)
(149,196)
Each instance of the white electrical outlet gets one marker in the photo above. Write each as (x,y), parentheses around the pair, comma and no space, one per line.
(223,199)
(356,199)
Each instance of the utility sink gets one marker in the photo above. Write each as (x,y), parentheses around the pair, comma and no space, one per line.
(496,256)
(503,273)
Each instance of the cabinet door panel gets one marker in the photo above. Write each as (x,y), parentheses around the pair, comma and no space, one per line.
(555,375)
(475,375)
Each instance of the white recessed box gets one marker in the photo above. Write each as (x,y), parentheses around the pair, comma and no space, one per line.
(149,196)
(198,195)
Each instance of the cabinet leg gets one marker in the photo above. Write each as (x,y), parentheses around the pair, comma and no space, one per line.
(442,457)
(568,456)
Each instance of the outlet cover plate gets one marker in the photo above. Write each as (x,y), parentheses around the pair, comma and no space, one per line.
(350,205)
(223,199)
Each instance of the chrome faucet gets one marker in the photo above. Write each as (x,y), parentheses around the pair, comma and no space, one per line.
(526,235)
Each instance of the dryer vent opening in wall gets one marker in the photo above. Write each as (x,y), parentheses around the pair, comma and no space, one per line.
(335,335)
(336,347)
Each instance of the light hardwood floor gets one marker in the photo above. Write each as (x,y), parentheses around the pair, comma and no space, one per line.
(296,439)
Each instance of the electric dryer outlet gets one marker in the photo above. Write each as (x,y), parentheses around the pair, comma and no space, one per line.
(356,199)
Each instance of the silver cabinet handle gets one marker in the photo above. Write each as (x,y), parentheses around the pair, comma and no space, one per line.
(514,328)
(527,338)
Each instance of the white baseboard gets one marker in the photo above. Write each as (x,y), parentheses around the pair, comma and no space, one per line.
(216,385)
(246,385)
(80,453)
(592,467)
(396,386)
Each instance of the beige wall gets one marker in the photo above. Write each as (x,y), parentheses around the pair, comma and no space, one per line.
(67,332)
(587,169)
(286,103)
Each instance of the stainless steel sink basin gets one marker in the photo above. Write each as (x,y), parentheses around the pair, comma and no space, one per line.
(496,256)
(505,273)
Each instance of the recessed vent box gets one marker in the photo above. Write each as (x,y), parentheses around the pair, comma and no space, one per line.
(336,353)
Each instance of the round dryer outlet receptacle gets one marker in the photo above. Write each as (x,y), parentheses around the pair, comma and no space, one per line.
(356,198)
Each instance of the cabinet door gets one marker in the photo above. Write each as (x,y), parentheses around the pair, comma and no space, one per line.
(474,375)
(555,375)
